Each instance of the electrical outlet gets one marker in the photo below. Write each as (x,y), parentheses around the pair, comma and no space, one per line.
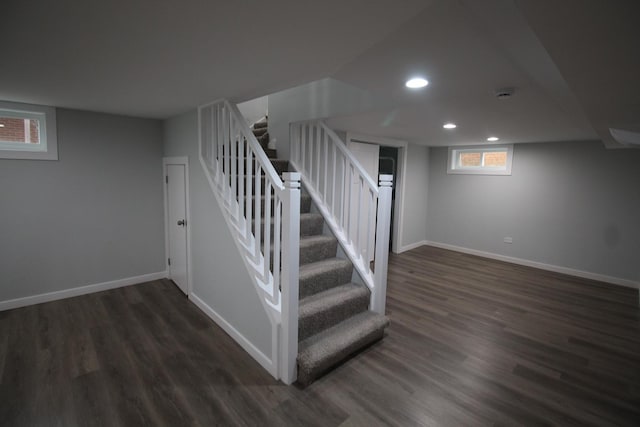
(508,240)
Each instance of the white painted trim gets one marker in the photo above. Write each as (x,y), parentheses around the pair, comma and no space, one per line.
(412,246)
(26,126)
(398,223)
(542,266)
(276,349)
(81,290)
(178,160)
(244,342)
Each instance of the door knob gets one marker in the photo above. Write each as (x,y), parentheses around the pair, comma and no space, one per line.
(182,222)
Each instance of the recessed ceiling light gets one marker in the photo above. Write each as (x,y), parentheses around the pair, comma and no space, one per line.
(1,125)
(416,83)
(492,138)
(449,126)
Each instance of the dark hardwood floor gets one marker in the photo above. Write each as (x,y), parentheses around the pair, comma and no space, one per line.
(472,342)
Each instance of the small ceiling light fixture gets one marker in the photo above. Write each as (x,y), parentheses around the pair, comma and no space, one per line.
(1,125)
(416,83)
(449,125)
(493,139)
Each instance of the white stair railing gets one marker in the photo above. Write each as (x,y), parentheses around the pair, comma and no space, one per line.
(263,214)
(356,209)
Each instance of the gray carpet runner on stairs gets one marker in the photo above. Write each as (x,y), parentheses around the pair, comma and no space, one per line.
(334,321)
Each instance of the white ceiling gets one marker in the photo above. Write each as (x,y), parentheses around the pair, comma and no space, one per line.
(467,50)
(159,58)
(596,45)
(574,63)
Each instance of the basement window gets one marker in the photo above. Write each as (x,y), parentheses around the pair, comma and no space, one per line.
(27,132)
(480,160)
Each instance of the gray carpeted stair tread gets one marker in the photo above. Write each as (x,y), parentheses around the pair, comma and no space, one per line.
(305,203)
(259,131)
(310,224)
(328,308)
(322,351)
(242,180)
(304,216)
(280,165)
(316,248)
(263,139)
(324,274)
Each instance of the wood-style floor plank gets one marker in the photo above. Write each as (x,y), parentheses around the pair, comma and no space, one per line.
(472,342)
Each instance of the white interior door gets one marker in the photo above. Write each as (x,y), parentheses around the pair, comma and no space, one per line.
(369,156)
(177,225)
(398,184)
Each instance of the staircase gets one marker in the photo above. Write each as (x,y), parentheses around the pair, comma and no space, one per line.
(308,251)
(334,320)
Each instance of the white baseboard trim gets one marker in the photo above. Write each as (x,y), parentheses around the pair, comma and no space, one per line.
(411,246)
(247,345)
(549,267)
(81,290)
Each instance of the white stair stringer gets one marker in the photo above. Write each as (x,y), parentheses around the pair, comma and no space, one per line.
(264,288)
(240,175)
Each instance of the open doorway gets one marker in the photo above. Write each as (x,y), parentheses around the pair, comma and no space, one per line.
(388,165)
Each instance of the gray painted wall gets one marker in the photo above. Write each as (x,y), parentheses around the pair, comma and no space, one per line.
(317,100)
(219,276)
(416,195)
(254,109)
(574,205)
(330,98)
(93,216)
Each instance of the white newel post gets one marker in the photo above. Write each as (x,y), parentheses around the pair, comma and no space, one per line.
(289,277)
(379,294)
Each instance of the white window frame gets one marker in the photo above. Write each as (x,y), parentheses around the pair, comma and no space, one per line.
(453,165)
(47,148)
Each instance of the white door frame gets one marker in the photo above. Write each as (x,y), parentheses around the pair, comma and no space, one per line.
(398,223)
(184,161)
